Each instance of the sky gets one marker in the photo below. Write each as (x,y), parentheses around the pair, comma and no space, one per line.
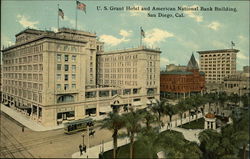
(177,37)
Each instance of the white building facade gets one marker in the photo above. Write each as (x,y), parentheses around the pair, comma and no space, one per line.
(56,77)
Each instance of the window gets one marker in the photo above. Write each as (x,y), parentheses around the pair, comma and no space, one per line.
(58,58)
(66,67)
(58,86)
(66,77)
(73,86)
(58,77)
(74,58)
(73,68)
(73,77)
(66,58)
(58,67)
(66,86)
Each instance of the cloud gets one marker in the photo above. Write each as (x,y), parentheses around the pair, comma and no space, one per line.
(192,14)
(111,40)
(125,33)
(156,36)
(242,56)
(242,38)
(6,41)
(165,61)
(219,44)
(25,22)
(214,25)
(188,43)
(71,21)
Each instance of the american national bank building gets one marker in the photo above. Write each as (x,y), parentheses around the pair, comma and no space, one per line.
(54,77)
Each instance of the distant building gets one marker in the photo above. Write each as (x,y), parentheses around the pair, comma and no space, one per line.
(57,77)
(181,82)
(237,83)
(173,67)
(217,64)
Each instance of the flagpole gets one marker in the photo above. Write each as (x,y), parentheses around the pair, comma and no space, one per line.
(57,17)
(76,14)
(140,37)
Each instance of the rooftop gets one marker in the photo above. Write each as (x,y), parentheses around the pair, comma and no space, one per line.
(192,64)
(218,51)
(140,48)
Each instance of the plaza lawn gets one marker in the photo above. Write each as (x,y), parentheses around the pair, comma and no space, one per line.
(123,151)
(199,124)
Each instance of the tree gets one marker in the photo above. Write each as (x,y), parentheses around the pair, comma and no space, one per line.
(180,110)
(147,140)
(197,102)
(148,117)
(210,99)
(132,124)
(113,122)
(170,110)
(209,143)
(192,150)
(158,108)
(189,102)
(222,99)
(234,98)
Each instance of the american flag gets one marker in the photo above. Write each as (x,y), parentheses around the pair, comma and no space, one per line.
(81,6)
(60,13)
(142,32)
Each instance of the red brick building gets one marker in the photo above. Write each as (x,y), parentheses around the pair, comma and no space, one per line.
(182,82)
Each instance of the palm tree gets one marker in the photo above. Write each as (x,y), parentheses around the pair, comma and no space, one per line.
(147,140)
(170,110)
(222,99)
(180,110)
(158,108)
(148,117)
(132,124)
(192,150)
(209,100)
(209,143)
(189,102)
(234,98)
(113,122)
(197,102)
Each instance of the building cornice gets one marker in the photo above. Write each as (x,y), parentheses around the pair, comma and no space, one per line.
(218,51)
(53,37)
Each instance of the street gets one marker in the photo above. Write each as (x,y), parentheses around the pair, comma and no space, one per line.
(46,144)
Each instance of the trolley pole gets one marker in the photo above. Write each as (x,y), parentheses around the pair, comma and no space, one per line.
(88,137)
(83,139)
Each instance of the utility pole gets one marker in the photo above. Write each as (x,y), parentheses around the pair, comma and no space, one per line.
(83,139)
(88,137)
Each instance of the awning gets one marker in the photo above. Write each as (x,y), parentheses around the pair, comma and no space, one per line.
(137,103)
(105,109)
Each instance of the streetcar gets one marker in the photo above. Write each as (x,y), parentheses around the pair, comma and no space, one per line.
(77,125)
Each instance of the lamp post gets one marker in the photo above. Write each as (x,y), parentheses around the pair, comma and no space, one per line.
(83,139)
(88,137)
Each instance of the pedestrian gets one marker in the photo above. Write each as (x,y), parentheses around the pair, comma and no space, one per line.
(22,128)
(81,149)
(84,148)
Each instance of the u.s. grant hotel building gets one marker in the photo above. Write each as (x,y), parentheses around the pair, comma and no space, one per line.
(54,77)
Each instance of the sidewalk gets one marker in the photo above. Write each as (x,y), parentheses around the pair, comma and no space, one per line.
(25,120)
(191,135)
(93,152)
